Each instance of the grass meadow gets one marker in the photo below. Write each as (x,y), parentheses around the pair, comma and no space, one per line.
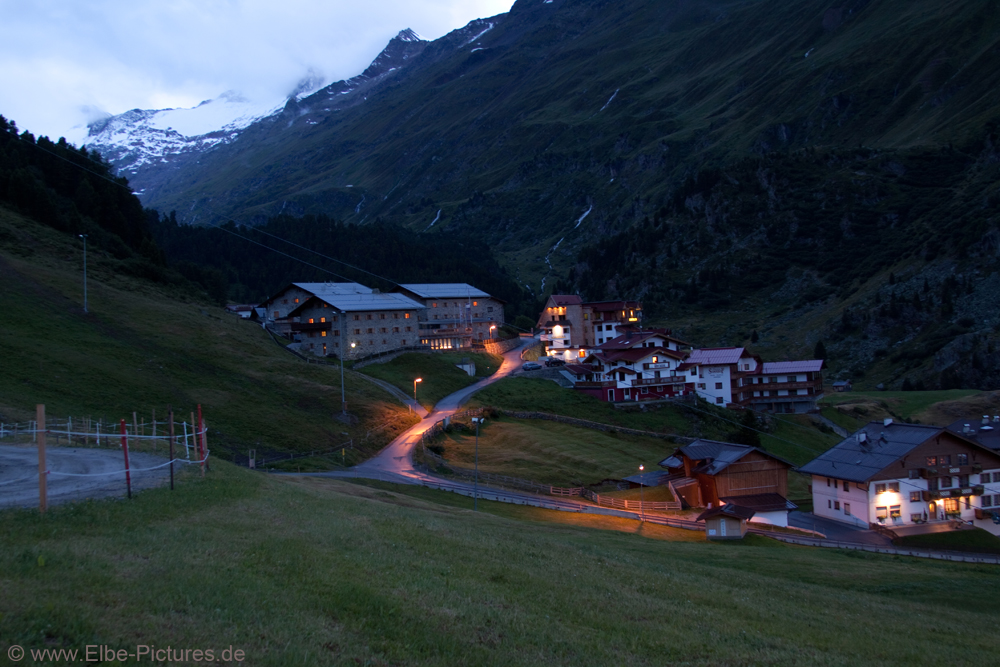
(307,571)
(438,373)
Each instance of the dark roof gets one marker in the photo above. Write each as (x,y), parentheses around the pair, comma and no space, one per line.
(806,366)
(857,459)
(566,299)
(672,461)
(762,502)
(730,510)
(985,431)
(650,478)
(579,369)
(634,354)
(360,302)
(717,456)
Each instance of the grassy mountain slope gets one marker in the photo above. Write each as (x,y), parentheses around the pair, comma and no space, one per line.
(524,130)
(144,346)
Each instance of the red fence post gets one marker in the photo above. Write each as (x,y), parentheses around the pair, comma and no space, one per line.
(128,474)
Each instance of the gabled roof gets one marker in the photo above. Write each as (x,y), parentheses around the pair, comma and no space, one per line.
(579,369)
(717,356)
(762,502)
(445,290)
(632,339)
(360,302)
(321,289)
(649,478)
(809,366)
(730,510)
(634,354)
(715,456)
(985,431)
(565,300)
(857,459)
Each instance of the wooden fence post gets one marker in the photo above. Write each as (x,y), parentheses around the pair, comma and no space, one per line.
(170,418)
(201,440)
(128,474)
(42,469)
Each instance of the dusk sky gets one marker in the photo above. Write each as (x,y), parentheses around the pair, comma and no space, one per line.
(64,63)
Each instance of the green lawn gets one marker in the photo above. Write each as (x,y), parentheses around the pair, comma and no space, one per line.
(906,404)
(143,347)
(537,395)
(307,571)
(552,453)
(438,372)
(977,540)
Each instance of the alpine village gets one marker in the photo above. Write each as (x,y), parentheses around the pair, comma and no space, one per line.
(648,332)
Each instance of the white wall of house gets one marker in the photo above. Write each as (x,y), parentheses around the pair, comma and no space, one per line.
(831,501)
(714,384)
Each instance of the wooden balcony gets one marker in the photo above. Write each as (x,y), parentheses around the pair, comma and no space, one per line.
(670,379)
(604,384)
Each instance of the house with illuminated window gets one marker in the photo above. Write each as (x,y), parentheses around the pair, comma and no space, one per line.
(354,325)
(733,376)
(454,315)
(293,295)
(571,328)
(635,366)
(894,474)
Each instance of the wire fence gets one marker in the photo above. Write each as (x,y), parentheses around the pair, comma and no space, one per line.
(152,436)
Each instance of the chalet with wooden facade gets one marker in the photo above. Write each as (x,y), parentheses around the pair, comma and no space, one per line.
(707,473)
(893,474)
(637,365)
(728,522)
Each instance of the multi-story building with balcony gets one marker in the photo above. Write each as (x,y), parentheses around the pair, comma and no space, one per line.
(894,475)
(290,297)
(635,366)
(354,326)
(455,315)
(571,328)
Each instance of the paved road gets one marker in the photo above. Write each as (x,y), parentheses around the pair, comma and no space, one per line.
(76,473)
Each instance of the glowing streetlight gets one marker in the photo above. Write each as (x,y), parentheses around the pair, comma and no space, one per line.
(343,396)
(492,329)
(642,478)
(415,387)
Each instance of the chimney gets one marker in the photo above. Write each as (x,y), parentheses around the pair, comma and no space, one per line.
(986,420)
(996,419)
(862,436)
(886,421)
(967,429)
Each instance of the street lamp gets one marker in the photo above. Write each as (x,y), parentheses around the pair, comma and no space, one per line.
(84,237)
(493,328)
(415,387)
(343,395)
(642,478)
(475,494)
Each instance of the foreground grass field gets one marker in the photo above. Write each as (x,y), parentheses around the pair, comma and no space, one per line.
(552,453)
(304,571)
(144,346)
(438,372)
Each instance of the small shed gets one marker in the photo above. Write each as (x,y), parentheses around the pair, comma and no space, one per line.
(728,522)
(842,385)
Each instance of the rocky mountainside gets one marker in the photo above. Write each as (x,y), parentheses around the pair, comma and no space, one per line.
(714,157)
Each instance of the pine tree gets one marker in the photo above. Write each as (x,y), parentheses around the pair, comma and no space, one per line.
(820,351)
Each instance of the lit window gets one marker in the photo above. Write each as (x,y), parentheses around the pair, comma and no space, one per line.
(915,496)
(434,305)
(296,301)
(475,303)
(880,488)
(311,321)
(323,334)
(322,319)
(406,316)
(893,487)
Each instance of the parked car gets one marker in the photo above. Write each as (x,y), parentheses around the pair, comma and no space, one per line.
(554,362)
(530,366)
